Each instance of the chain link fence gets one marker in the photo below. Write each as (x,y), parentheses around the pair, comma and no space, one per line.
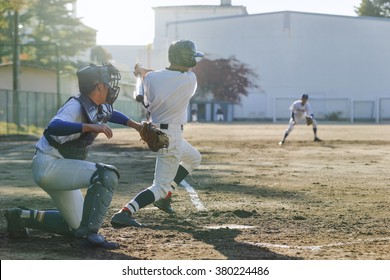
(25,112)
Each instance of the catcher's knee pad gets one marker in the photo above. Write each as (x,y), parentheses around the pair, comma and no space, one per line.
(98,198)
(106,174)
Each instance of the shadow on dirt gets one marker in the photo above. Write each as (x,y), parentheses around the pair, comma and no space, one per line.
(44,246)
(224,241)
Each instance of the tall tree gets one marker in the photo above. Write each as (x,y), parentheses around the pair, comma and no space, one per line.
(226,79)
(49,31)
(5,6)
(100,54)
(7,11)
(374,8)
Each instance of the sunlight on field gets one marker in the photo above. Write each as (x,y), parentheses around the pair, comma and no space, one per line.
(11,128)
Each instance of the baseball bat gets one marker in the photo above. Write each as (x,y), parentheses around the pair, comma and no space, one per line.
(139,90)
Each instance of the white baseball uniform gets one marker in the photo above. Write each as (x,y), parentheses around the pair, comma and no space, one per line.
(62,178)
(167,93)
(300,112)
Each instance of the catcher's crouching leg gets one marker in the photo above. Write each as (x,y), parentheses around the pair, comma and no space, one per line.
(96,203)
(21,218)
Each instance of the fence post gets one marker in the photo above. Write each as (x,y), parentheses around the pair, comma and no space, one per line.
(352,110)
(377,107)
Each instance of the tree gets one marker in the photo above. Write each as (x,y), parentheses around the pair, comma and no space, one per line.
(5,6)
(49,31)
(7,10)
(227,79)
(100,54)
(374,8)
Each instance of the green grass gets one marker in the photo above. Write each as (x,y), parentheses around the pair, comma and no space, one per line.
(12,128)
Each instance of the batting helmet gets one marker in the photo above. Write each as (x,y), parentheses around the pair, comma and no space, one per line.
(92,75)
(183,52)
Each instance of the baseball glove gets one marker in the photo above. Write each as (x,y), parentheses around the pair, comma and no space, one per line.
(153,137)
(309,121)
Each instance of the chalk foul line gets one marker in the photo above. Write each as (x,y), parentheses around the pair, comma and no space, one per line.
(193,196)
(317,247)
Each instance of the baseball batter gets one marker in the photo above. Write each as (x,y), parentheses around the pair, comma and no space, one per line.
(167,94)
(301,110)
(60,167)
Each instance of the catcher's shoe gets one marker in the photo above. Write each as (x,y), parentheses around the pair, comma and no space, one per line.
(124,219)
(316,139)
(164,204)
(85,242)
(15,225)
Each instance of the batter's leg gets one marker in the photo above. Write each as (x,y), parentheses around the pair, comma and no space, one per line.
(190,160)
(165,170)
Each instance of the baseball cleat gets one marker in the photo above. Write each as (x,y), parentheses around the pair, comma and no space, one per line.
(96,238)
(316,139)
(164,204)
(124,219)
(99,240)
(281,143)
(15,226)
(105,244)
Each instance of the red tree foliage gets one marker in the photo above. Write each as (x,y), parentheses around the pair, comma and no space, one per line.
(227,79)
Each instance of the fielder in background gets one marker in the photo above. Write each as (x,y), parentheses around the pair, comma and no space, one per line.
(60,168)
(301,110)
(220,116)
(167,93)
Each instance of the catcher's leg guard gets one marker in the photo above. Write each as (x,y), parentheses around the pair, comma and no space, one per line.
(97,201)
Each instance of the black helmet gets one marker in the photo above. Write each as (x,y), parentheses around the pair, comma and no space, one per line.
(92,75)
(183,52)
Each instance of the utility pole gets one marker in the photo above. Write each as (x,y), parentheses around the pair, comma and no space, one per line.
(16,68)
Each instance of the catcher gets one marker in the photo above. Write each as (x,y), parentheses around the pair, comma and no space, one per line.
(301,110)
(60,168)
(167,94)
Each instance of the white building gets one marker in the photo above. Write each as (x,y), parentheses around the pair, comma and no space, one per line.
(339,61)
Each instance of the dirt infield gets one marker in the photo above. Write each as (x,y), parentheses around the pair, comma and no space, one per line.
(253,198)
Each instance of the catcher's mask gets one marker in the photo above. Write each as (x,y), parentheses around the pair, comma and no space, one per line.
(183,52)
(92,75)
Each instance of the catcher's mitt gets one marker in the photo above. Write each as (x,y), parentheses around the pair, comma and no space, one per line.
(153,137)
(309,121)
